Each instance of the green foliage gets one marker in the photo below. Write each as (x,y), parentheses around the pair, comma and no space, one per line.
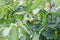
(29,20)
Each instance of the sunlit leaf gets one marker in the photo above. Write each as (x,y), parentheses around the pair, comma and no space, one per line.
(14,33)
